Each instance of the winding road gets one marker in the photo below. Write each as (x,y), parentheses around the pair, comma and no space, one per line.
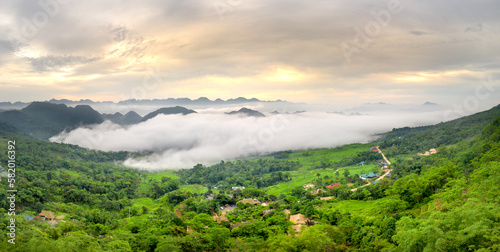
(379,178)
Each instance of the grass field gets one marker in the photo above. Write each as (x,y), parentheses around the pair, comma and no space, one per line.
(311,159)
(144,202)
(156,176)
(302,177)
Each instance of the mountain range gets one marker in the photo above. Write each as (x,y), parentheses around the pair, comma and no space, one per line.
(45,119)
(202,101)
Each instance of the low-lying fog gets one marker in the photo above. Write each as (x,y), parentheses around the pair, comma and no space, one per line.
(178,141)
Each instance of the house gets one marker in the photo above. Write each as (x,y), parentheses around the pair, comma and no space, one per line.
(388,175)
(427,153)
(249,201)
(333,185)
(362,163)
(316,192)
(326,198)
(299,220)
(47,215)
(310,185)
(369,175)
(28,217)
(376,182)
(374,149)
(219,219)
(234,188)
(286,211)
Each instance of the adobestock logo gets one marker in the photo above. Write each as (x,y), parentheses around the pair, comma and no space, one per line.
(372,29)
(30,27)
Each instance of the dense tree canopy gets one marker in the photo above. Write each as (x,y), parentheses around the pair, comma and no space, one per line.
(448,201)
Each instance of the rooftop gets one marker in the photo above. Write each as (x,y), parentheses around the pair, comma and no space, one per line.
(333,185)
(47,214)
(369,175)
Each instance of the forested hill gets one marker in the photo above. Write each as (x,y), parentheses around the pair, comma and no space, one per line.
(446,133)
(314,200)
(43,120)
(168,111)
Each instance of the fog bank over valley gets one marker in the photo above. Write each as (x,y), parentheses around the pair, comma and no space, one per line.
(181,141)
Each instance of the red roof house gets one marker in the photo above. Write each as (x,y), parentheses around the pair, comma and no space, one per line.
(333,185)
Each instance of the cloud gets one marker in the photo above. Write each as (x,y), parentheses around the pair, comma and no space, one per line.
(48,63)
(474,28)
(188,39)
(177,141)
(419,33)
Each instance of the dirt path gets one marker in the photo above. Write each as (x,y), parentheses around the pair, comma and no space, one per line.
(379,178)
(386,160)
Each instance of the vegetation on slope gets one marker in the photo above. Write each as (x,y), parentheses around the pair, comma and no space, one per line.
(448,201)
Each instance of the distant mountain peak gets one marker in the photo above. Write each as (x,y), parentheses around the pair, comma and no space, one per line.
(375,103)
(36,105)
(203,99)
(131,113)
(168,111)
(430,104)
(247,112)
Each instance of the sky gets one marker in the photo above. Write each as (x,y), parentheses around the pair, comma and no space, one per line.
(317,51)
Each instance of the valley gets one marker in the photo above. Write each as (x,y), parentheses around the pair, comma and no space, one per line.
(340,197)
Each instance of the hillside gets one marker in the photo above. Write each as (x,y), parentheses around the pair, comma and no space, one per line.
(168,111)
(423,138)
(129,118)
(43,120)
(446,201)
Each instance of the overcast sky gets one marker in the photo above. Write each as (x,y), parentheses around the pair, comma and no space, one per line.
(314,51)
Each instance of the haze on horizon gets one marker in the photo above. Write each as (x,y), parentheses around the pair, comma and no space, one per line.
(315,52)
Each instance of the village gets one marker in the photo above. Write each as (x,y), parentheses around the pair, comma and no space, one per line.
(300,220)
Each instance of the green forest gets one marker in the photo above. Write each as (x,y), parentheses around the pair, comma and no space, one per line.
(445,201)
